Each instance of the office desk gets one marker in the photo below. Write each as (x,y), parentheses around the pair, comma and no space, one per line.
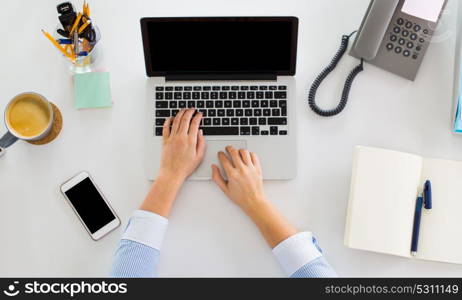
(208,235)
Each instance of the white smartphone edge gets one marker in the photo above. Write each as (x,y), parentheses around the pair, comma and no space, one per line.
(109,226)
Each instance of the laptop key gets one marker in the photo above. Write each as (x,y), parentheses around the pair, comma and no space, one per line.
(200,104)
(246,103)
(255,130)
(253,88)
(159,88)
(216,122)
(257,112)
(253,121)
(223,95)
(267,112)
(255,103)
(235,121)
(196,95)
(280,95)
(273,130)
(197,88)
(162,113)
(237,104)
(225,121)
(209,104)
(260,95)
(207,88)
(214,95)
(207,121)
(275,112)
(216,88)
(159,96)
(161,104)
(282,103)
(235,88)
(203,112)
(160,122)
(284,111)
(221,130)
(174,112)
(282,132)
(245,130)
(191,104)
(169,88)
(264,103)
(230,112)
(241,95)
(168,96)
(205,95)
(187,95)
(261,121)
(239,112)
(177,95)
(212,113)
(232,95)
(269,95)
(273,87)
(277,121)
(264,132)
(282,87)
(158,131)
(228,104)
(221,112)
(225,88)
(173,104)
(250,95)
(188,88)
(263,88)
(273,103)
(178,88)
(244,88)
(244,121)
(248,112)
(219,104)
(182,104)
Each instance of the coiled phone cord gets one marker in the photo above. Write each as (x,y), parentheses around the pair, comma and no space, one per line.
(348,83)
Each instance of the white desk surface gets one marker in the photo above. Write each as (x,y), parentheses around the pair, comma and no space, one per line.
(208,235)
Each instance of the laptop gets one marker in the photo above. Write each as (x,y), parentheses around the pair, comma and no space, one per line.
(237,71)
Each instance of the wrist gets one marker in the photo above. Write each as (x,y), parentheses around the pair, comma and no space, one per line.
(255,207)
(170,179)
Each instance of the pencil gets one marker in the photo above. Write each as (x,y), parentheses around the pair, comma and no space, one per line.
(54,42)
(82,28)
(76,23)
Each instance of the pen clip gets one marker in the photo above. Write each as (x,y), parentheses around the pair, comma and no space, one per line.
(427,195)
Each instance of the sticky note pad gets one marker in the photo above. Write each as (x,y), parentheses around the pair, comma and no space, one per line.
(92,90)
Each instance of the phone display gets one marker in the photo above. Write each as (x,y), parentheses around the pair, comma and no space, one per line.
(90,205)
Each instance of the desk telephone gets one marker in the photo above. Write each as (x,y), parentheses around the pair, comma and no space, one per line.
(394,35)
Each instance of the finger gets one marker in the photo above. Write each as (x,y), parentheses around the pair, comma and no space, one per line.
(200,148)
(255,161)
(195,123)
(245,156)
(166,129)
(186,121)
(225,162)
(177,121)
(218,179)
(235,157)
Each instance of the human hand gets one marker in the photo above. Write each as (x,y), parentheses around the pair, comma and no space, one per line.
(183,146)
(245,181)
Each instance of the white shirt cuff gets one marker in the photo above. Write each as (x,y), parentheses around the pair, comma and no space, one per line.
(146,228)
(296,251)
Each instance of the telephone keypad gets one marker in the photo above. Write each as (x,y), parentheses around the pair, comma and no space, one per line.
(407,38)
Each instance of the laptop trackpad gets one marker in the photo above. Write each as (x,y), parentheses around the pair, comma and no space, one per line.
(211,157)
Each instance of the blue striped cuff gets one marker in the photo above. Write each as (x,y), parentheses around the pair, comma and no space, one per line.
(296,251)
(146,228)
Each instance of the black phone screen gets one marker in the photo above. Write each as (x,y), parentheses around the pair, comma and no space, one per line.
(90,205)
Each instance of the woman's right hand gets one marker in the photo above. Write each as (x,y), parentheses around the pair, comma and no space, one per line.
(245,181)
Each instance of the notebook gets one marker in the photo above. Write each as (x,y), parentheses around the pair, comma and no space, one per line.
(384,187)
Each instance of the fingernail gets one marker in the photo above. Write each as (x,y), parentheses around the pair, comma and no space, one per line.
(201,132)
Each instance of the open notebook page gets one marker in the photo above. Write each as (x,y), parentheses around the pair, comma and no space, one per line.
(382,201)
(441,228)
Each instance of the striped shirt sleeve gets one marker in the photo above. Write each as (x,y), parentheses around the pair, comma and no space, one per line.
(139,249)
(300,256)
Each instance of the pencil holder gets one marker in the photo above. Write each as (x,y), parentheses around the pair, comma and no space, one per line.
(85,63)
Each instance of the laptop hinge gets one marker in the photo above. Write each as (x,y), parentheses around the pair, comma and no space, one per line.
(211,76)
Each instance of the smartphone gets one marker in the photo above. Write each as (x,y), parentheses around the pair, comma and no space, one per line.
(91,207)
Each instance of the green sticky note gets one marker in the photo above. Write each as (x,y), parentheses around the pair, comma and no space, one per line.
(92,90)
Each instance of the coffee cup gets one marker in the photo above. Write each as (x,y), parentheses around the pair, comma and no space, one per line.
(29,117)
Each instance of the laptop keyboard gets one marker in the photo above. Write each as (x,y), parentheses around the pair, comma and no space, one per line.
(227,110)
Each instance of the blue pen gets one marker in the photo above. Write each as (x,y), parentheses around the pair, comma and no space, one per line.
(424,200)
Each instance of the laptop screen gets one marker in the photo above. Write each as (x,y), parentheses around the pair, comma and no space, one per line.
(220,45)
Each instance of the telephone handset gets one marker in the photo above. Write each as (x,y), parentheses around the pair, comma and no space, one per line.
(394,35)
